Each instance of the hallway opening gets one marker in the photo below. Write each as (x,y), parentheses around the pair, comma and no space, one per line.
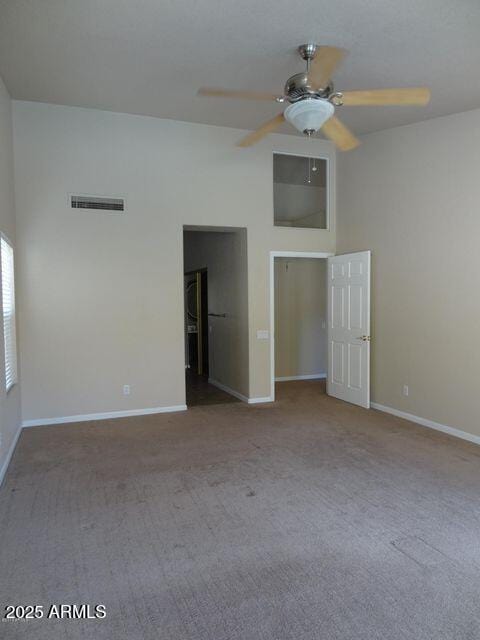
(216,315)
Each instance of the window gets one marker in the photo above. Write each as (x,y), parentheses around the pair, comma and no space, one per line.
(8,303)
(300,192)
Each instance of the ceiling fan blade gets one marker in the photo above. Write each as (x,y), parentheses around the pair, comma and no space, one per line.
(323,65)
(260,133)
(418,95)
(338,133)
(232,93)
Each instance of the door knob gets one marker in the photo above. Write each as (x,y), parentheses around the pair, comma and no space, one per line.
(364,338)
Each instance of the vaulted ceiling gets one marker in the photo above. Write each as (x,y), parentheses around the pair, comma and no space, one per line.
(150,56)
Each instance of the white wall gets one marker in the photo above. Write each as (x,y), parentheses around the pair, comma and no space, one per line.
(9,403)
(95,288)
(300,312)
(225,257)
(412,196)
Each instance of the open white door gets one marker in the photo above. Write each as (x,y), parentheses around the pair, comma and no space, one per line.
(348,281)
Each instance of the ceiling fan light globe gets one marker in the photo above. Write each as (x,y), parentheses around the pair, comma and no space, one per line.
(309,114)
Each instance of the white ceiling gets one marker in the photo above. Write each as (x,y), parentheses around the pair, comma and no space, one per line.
(150,56)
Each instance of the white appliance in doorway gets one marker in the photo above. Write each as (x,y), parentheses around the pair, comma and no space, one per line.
(348,328)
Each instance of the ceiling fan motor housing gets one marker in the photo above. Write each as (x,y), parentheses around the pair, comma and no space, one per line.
(298,87)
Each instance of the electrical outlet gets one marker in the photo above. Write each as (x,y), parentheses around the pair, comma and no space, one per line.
(126,389)
(405,390)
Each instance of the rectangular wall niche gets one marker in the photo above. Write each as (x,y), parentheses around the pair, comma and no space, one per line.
(300,192)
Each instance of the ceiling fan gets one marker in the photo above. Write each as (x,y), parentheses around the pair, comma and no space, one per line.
(312,99)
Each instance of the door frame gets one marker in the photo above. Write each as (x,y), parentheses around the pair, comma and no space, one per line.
(283,254)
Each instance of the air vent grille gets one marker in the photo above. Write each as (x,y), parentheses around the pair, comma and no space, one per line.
(94,202)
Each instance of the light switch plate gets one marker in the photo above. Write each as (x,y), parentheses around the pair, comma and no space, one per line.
(262,334)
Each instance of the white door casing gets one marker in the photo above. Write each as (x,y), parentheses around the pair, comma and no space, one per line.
(348,330)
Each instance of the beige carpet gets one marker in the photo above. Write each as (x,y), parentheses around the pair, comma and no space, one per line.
(308,519)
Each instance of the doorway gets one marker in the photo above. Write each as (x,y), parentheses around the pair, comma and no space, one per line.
(300,352)
(216,315)
(298,317)
(347,323)
(196,321)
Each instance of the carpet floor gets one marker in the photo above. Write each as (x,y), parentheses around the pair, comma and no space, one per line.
(306,519)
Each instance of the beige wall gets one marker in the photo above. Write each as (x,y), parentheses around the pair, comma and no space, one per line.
(225,257)
(300,315)
(412,196)
(300,205)
(9,403)
(96,287)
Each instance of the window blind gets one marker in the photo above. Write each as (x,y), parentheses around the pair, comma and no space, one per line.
(8,304)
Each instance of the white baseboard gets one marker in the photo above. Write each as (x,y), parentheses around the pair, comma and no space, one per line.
(103,416)
(236,394)
(260,400)
(457,433)
(6,462)
(310,376)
